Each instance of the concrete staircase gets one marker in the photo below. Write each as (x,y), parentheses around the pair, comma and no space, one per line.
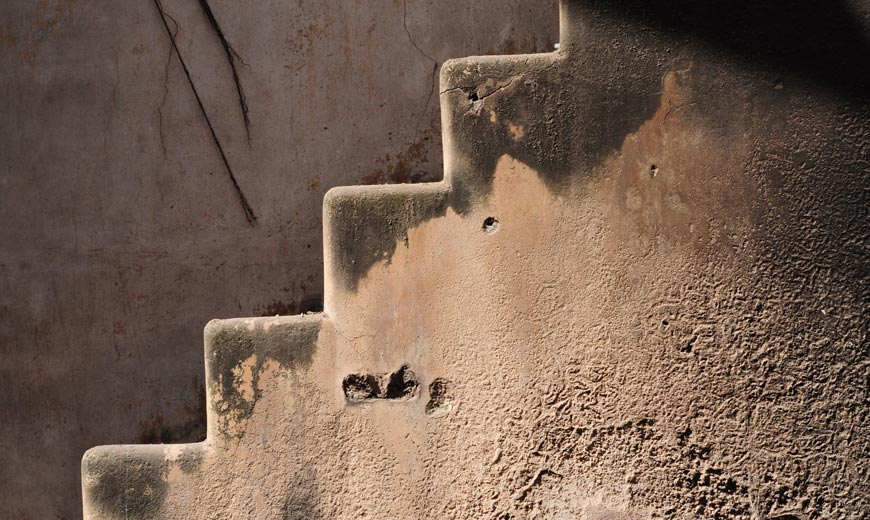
(581,321)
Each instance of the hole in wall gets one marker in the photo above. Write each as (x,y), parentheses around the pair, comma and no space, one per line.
(490,225)
(440,401)
(361,387)
(400,385)
(472,96)
(653,170)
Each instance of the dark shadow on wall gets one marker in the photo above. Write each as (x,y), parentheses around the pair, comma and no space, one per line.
(824,42)
(739,51)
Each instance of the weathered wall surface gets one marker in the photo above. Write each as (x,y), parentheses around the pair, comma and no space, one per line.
(639,292)
(120,232)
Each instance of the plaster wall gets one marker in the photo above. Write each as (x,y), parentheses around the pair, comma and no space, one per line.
(121,233)
(639,292)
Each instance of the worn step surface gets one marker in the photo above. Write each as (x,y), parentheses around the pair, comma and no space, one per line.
(638,293)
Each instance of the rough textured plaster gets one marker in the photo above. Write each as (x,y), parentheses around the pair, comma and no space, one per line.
(120,232)
(665,318)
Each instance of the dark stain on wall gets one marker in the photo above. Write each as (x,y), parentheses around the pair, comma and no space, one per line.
(301,504)
(131,482)
(368,229)
(278,308)
(291,344)
(307,304)
(128,486)
(565,114)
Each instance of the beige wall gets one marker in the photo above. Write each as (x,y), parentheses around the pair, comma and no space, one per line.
(639,293)
(120,232)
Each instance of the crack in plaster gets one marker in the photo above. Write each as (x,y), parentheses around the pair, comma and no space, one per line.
(246,207)
(430,58)
(232,56)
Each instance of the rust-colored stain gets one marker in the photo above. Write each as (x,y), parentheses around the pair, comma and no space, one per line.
(313,183)
(47,17)
(400,168)
(7,37)
(648,189)
(307,37)
(652,188)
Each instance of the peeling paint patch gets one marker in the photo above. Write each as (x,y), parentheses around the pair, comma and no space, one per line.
(126,484)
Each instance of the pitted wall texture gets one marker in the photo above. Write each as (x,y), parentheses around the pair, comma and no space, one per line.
(639,292)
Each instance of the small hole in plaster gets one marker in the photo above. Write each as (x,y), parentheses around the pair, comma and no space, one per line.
(653,170)
(439,398)
(472,96)
(490,225)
